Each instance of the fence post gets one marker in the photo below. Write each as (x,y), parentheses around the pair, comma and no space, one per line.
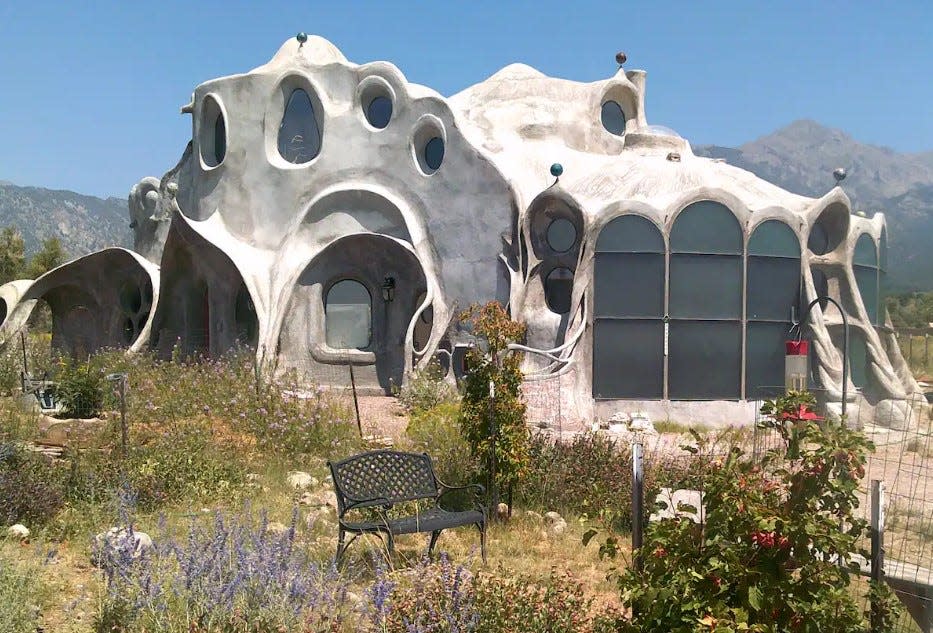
(494,432)
(638,503)
(877,543)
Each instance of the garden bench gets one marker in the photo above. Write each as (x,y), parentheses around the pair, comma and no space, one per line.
(378,480)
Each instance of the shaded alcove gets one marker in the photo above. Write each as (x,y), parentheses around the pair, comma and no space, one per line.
(94,302)
(829,230)
(204,305)
(372,284)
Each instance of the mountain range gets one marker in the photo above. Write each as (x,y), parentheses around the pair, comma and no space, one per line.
(799,157)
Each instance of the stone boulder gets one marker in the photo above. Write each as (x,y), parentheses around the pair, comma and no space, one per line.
(119,541)
(18,531)
(555,523)
(300,480)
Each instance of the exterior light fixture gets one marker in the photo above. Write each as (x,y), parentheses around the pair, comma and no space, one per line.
(388,289)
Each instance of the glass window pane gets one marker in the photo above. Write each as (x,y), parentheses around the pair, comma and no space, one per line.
(379,112)
(558,290)
(629,284)
(705,360)
(774,238)
(858,361)
(865,253)
(883,250)
(299,135)
(773,287)
(613,118)
(764,359)
(706,287)
(348,315)
(630,234)
(434,153)
(867,281)
(706,227)
(220,139)
(561,235)
(882,298)
(628,359)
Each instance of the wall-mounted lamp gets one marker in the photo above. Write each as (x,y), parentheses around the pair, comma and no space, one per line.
(388,289)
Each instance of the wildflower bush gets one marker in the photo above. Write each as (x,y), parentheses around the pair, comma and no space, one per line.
(775,551)
(503,369)
(589,475)
(234,574)
(426,390)
(444,598)
(18,597)
(31,487)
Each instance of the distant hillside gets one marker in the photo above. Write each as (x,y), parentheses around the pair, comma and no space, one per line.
(82,223)
(801,157)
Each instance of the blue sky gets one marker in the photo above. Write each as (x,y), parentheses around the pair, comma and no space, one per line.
(90,92)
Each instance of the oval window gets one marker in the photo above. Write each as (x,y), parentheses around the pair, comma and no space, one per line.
(299,134)
(561,235)
(613,118)
(212,136)
(348,315)
(558,290)
(379,112)
(434,153)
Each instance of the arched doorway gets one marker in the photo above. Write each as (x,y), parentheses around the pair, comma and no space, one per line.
(353,303)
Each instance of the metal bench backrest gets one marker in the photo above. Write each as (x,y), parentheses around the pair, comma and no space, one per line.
(378,477)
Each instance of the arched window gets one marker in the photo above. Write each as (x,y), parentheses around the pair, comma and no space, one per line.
(628,335)
(558,290)
(773,282)
(705,304)
(212,135)
(865,267)
(348,315)
(299,134)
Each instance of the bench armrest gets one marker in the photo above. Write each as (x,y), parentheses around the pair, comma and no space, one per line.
(354,504)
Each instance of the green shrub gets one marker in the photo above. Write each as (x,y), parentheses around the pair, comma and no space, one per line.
(31,487)
(436,431)
(427,389)
(18,597)
(588,475)
(80,389)
(766,557)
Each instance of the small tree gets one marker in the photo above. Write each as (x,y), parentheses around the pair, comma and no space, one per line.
(12,255)
(501,368)
(50,256)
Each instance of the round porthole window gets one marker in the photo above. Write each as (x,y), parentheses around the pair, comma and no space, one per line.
(379,112)
(613,118)
(434,153)
(561,235)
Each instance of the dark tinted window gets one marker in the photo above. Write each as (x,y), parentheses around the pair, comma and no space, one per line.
(299,134)
(558,290)
(379,112)
(613,118)
(561,235)
(628,358)
(434,153)
(705,361)
(706,227)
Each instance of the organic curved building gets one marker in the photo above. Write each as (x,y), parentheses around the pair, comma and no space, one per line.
(328,213)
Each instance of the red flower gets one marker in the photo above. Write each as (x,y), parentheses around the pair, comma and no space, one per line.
(802,413)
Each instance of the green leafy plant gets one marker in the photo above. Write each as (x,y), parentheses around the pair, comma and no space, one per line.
(775,551)
(426,389)
(500,368)
(80,390)
(18,597)
(31,487)
(436,431)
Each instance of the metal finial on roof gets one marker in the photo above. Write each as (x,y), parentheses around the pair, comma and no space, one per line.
(620,58)
(302,38)
(557,169)
(839,174)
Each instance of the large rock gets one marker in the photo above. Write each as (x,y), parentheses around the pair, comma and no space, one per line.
(119,541)
(300,480)
(556,525)
(18,531)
